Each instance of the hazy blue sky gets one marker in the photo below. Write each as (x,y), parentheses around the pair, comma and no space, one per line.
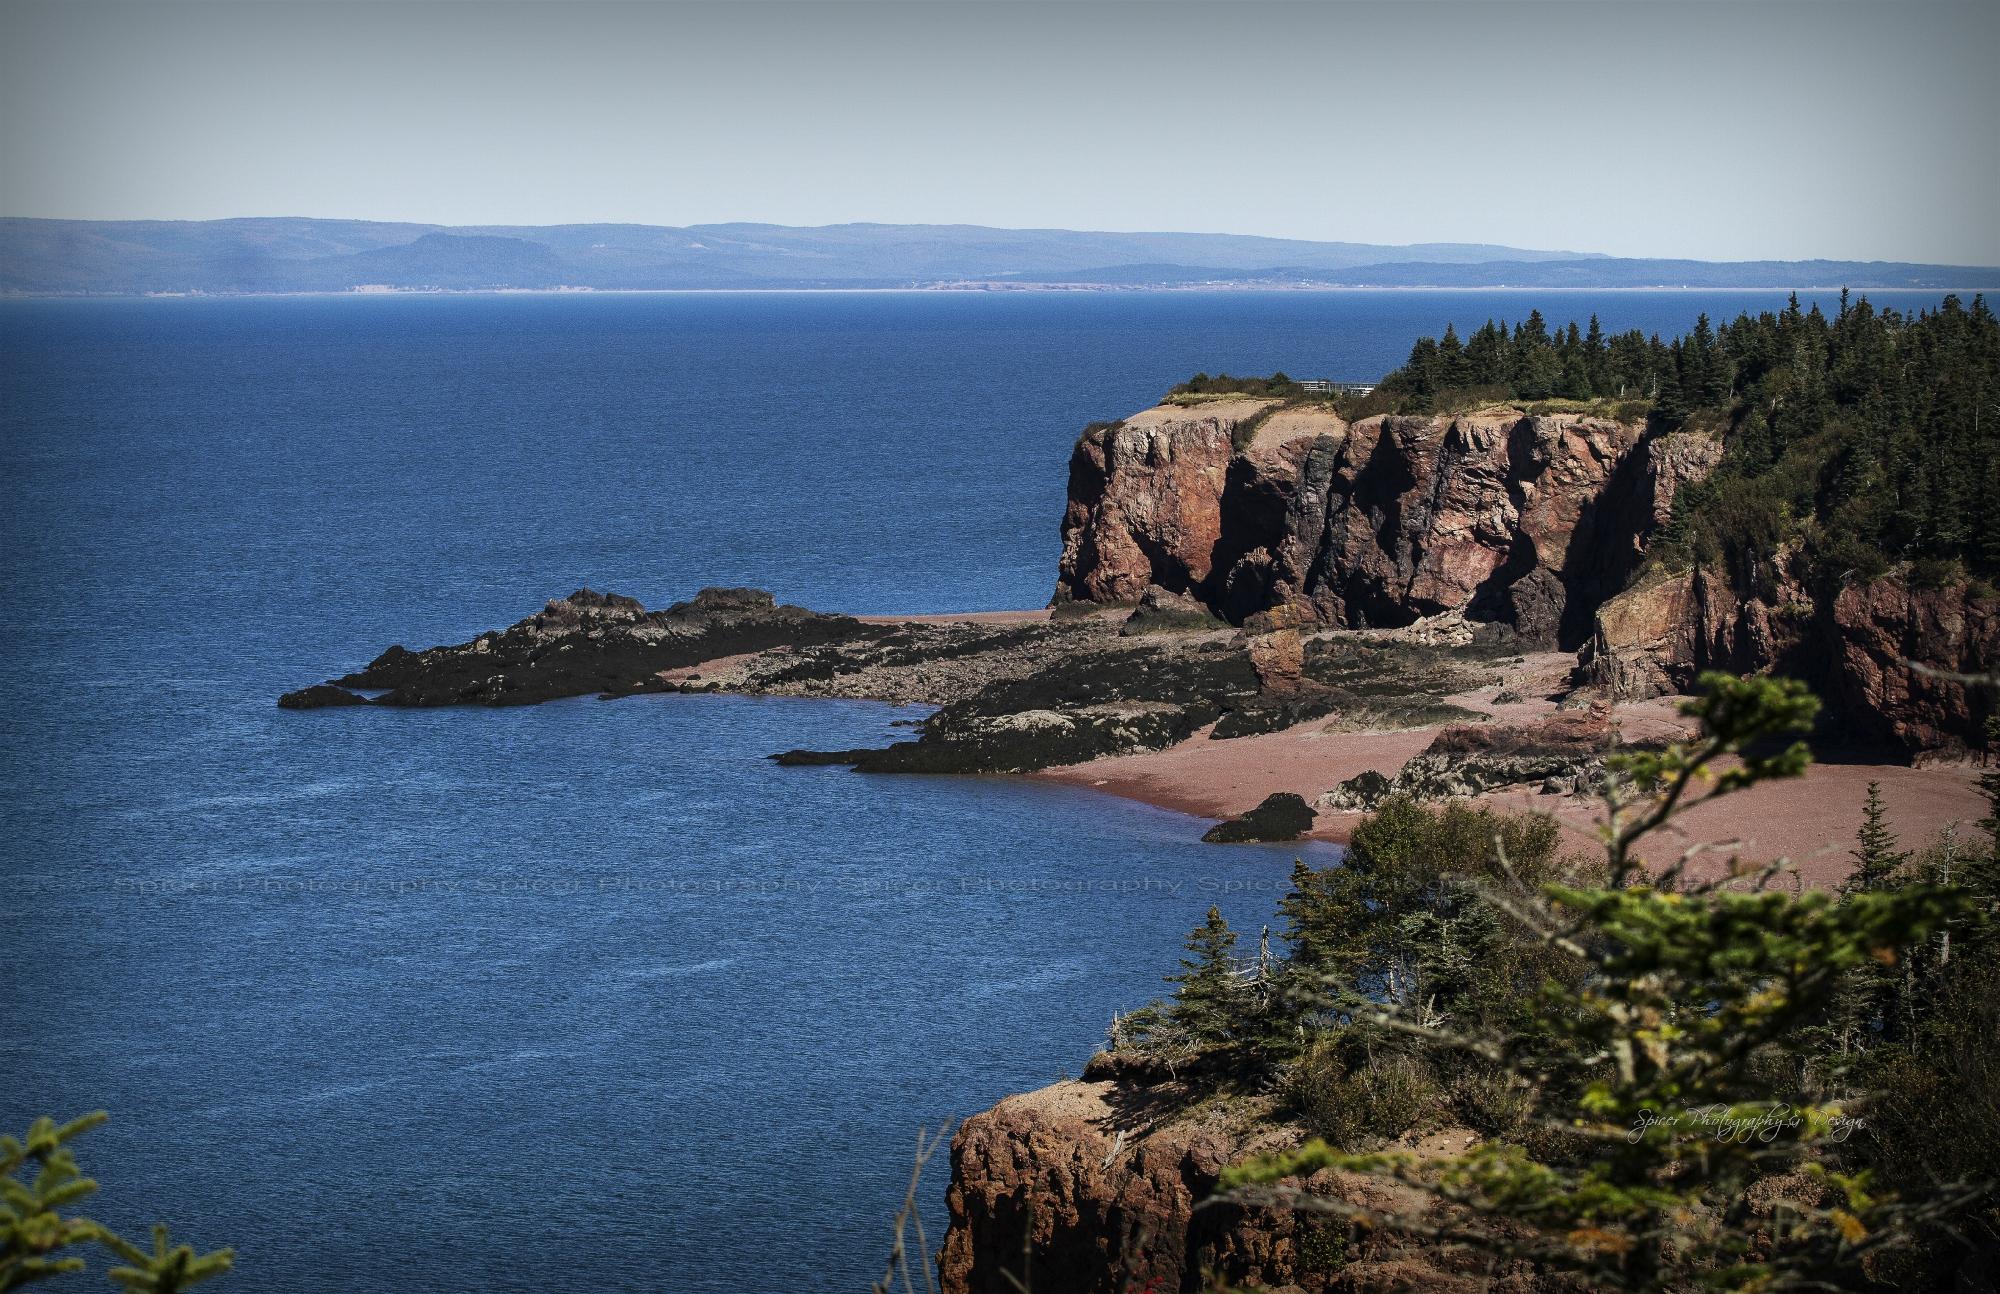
(1641,127)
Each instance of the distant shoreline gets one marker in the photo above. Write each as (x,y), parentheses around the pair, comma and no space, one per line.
(1024,289)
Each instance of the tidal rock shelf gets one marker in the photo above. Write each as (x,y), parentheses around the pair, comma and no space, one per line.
(1010,697)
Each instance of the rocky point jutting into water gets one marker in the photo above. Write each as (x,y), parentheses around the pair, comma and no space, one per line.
(1236,567)
(1215,553)
(1012,697)
(1270,514)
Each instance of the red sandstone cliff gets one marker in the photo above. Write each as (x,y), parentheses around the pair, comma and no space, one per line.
(1530,520)
(1091,1188)
(1882,653)
(1287,515)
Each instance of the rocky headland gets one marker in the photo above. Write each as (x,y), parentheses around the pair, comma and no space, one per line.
(1257,596)
(1267,513)
(1269,614)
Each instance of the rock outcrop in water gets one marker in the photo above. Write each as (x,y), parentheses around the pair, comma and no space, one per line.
(1281,816)
(1256,509)
(1012,697)
(587,643)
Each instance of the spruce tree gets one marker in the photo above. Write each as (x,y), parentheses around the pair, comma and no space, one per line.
(39,1179)
(1208,999)
(1452,366)
(1876,858)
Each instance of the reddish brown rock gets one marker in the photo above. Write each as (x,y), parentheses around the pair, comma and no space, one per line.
(1643,645)
(1882,655)
(1092,1188)
(1502,516)
(1528,520)
(1898,648)
(1045,1181)
(1145,501)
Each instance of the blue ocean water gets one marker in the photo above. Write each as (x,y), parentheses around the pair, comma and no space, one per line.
(583,995)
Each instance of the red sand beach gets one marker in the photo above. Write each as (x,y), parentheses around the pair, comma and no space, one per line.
(1811,821)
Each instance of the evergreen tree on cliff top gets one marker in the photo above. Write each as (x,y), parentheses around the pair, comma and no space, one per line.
(1868,440)
(1208,998)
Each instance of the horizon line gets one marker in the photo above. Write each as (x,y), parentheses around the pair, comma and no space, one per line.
(1545,252)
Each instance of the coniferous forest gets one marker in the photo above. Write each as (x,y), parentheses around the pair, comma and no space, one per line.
(1872,438)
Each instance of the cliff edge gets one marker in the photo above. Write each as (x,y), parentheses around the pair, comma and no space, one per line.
(1252,508)
(1268,515)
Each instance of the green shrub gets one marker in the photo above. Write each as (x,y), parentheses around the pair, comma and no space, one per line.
(1687,1062)
(1353,1100)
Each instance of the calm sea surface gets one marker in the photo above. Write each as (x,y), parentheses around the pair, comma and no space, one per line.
(584,995)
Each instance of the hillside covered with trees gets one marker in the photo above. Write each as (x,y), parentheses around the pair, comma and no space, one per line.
(1872,438)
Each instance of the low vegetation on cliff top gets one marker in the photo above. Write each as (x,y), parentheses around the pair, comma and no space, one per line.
(1730,1085)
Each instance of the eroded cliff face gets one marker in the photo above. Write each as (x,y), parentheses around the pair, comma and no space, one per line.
(1275,516)
(1145,501)
(1528,520)
(1091,1187)
(1886,656)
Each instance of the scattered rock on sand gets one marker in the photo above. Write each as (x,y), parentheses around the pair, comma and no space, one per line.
(1562,753)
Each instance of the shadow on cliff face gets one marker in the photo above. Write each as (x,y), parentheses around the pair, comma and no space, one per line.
(1256,514)
(1512,594)
(1608,544)
(1336,579)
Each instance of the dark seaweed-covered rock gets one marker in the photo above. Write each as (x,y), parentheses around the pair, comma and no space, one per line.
(320,696)
(1365,790)
(600,643)
(1283,816)
(1012,697)
(1025,697)
(969,741)
(1276,713)
(1080,706)
(1162,612)
(812,758)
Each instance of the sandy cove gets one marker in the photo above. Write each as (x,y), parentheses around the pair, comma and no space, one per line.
(1811,821)
(1063,683)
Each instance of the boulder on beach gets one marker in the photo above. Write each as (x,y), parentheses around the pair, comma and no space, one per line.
(1283,816)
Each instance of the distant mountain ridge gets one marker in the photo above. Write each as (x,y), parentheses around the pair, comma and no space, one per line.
(287,254)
